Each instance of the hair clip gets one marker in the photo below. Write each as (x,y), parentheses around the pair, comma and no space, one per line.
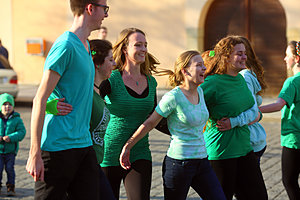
(211,53)
(93,53)
(298,48)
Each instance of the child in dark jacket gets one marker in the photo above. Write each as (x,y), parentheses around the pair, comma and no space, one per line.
(12,130)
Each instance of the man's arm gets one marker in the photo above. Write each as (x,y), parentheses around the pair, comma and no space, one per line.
(35,165)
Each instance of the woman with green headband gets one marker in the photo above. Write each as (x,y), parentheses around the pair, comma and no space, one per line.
(227,95)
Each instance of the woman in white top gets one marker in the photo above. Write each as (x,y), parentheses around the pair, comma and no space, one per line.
(184,107)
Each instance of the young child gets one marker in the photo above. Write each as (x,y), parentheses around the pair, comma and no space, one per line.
(12,131)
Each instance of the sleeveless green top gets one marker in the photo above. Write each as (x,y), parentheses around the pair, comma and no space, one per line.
(127,113)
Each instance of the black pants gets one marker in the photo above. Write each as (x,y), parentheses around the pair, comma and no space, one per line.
(241,176)
(290,166)
(137,180)
(72,171)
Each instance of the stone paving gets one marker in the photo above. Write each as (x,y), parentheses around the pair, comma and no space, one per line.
(159,143)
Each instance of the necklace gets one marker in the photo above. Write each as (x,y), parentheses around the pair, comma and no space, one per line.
(136,82)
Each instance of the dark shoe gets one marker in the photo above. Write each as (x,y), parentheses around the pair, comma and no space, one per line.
(10,190)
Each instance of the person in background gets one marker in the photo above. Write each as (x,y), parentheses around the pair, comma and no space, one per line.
(254,76)
(226,95)
(130,94)
(102,33)
(186,164)
(12,132)
(61,158)
(4,63)
(289,101)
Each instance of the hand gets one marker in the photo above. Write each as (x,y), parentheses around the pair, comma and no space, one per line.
(256,120)
(124,158)
(6,138)
(63,108)
(224,124)
(35,167)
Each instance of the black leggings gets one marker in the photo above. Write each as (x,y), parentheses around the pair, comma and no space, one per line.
(241,176)
(290,166)
(137,180)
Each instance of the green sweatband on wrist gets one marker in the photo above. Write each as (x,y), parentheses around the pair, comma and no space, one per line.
(51,107)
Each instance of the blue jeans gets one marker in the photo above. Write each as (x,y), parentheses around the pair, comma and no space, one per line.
(179,175)
(7,161)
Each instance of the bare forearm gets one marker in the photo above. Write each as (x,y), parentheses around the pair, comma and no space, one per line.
(147,126)
(37,120)
(273,107)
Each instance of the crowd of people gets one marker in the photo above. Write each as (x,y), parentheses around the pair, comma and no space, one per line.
(97,103)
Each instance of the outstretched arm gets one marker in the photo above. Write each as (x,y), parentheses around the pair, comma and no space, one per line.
(35,165)
(147,126)
(273,107)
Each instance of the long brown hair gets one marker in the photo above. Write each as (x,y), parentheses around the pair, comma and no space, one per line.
(254,64)
(147,67)
(223,49)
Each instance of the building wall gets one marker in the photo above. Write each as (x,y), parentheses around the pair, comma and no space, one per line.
(171,28)
(162,21)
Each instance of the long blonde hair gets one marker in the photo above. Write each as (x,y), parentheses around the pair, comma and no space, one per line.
(147,67)
(176,77)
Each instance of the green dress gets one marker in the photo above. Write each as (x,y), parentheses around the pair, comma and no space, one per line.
(127,113)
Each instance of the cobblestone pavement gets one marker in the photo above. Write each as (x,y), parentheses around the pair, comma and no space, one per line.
(270,162)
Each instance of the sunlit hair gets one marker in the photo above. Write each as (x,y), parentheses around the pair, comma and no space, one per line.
(78,6)
(293,46)
(147,67)
(254,64)
(100,50)
(223,49)
(206,57)
(176,77)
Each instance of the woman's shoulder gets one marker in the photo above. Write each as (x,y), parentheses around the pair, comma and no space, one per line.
(152,80)
(115,73)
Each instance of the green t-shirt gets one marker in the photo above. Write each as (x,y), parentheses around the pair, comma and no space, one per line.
(290,116)
(99,121)
(185,122)
(127,113)
(70,59)
(226,96)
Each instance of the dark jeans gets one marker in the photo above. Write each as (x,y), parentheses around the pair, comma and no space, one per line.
(105,191)
(7,161)
(290,165)
(241,176)
(137,180)
(179,175)
(72,171)
(260,153)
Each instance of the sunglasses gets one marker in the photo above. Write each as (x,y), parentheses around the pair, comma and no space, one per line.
(106,8)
